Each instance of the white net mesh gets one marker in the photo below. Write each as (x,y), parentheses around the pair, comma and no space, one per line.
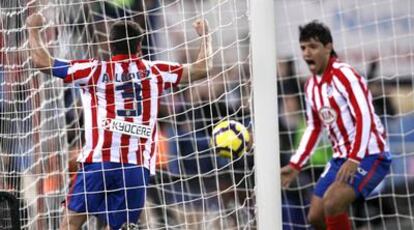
(41,119)
(376,38)
(32,123)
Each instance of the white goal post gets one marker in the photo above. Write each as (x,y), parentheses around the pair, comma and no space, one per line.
(268,201)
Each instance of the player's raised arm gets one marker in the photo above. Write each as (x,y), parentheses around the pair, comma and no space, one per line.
(198,69)
(40,55)
(78,72)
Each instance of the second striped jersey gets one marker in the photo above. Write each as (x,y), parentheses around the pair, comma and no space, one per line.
(339,101)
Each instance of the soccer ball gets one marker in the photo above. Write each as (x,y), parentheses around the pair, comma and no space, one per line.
(230,139)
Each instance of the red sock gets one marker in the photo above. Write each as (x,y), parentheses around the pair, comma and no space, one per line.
(338,222)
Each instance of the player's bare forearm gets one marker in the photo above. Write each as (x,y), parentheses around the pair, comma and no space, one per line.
(40,55)
(204,62)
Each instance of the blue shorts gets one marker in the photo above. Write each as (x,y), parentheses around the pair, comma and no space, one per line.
(371,171)
(113,192)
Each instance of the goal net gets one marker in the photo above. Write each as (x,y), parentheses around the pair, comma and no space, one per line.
(376,38)
(41,119)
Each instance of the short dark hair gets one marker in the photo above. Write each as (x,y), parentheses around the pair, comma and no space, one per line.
(318,31)
(125,36)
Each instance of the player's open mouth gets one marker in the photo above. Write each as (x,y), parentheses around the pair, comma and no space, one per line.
(310,62)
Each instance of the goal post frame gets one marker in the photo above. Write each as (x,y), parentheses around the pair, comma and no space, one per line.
(267,166)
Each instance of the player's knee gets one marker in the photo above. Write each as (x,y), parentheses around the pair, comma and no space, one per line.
(337,199)
(315,219)
(333,205)
(330,205)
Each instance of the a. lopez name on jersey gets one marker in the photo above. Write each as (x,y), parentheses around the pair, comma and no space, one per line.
(128,128)
(124,77)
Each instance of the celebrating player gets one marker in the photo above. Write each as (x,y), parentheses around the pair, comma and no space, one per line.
(120,100)
(338,99)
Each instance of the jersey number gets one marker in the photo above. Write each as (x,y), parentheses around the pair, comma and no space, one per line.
(132,91)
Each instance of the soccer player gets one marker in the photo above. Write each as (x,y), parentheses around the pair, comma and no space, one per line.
(337,100)
(120,100)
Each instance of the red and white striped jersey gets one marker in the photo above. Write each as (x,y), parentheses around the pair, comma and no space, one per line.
(120,100)
(340,102)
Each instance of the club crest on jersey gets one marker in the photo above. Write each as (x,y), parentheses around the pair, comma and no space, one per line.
(128,128)
(327,115)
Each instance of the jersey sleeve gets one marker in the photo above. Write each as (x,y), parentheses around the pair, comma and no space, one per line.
(310,137)
(78,72)
(170,72)
(355,90)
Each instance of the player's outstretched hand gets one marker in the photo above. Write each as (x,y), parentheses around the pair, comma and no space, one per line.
(288,174)
(201,26)
(35,20)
